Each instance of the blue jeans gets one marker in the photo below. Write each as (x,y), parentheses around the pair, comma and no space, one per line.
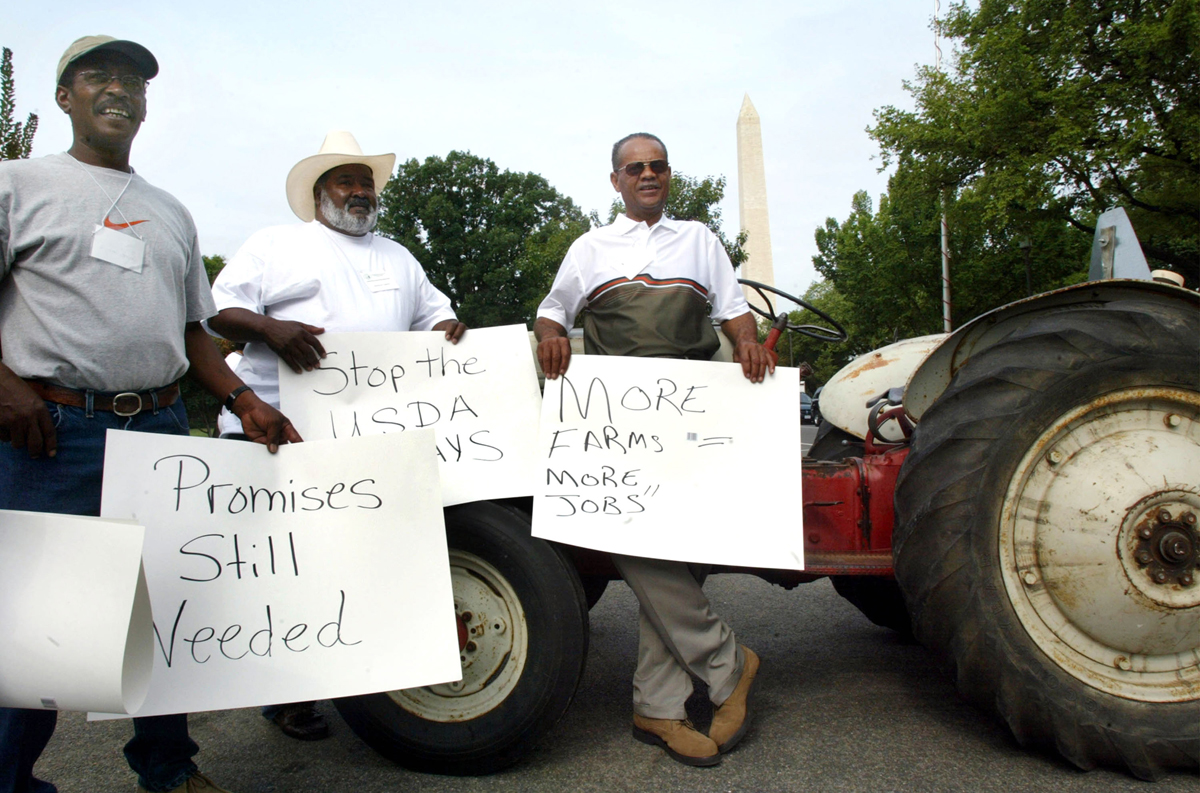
(160,751)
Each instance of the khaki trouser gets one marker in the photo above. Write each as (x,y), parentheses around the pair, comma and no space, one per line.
(679,635)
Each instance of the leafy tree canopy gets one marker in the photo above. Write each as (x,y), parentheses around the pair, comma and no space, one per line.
(16,139)
(213,266)
(695,199)
(202,407)
(1056,110)
(886,264)
(491,240)
(1052,112)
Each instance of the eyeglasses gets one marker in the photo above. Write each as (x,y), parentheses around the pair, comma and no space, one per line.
(636,168)
(133,83)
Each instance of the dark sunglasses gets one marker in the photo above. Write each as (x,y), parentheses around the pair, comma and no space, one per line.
(636,168)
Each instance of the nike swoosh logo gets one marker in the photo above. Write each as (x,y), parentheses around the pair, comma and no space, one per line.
(112,225)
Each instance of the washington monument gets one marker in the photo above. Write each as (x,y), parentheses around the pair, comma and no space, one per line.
(752,202)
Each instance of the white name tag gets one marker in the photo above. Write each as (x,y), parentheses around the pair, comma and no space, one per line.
(380,282)
(120,249)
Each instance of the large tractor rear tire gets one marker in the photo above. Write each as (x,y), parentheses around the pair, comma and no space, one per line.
(524,640)
(1047,540)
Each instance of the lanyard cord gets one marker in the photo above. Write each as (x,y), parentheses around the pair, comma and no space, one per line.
(114,201)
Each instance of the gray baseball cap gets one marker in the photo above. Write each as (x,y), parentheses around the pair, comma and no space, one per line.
(130,49)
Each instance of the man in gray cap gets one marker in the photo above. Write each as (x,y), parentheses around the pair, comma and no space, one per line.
(102,291)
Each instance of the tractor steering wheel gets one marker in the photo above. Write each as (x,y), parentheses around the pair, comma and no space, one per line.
(812,331)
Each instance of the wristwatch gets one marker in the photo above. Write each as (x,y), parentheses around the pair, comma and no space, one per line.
(234,394)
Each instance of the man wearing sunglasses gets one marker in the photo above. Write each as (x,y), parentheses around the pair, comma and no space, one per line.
(102,290)
(651,286)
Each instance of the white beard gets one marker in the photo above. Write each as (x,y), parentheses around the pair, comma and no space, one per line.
(345,221)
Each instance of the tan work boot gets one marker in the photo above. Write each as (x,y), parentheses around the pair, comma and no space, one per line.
(678,738)
(732,718)
(196,783)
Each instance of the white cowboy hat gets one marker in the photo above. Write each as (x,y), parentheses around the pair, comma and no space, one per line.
(339,148)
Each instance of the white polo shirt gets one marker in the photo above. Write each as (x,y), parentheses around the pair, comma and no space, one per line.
(669,251)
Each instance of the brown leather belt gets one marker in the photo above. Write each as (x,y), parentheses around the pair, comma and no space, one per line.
(126,403)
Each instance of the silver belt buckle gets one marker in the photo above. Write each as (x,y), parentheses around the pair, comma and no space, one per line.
(127,395)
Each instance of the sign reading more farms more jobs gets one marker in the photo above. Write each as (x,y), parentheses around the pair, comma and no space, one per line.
(669,459)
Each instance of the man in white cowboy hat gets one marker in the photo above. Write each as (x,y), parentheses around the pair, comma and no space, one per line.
(289,284)
(102,290)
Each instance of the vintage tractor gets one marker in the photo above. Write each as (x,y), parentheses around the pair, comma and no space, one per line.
(1022,495)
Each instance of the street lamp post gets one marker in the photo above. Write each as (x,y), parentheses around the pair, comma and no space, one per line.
(1026,247)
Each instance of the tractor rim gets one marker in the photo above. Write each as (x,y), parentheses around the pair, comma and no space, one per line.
(493,653)
(1099,544)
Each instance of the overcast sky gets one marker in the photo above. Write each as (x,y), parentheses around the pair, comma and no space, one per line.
(248,89)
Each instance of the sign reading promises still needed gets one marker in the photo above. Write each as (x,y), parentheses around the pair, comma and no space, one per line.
(317,572)
(683,460)
(480,396)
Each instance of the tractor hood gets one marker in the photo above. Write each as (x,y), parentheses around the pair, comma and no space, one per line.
(844,400)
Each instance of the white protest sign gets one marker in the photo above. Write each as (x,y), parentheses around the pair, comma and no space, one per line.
(320,571)
(667,459)
(74,613)
(480,396)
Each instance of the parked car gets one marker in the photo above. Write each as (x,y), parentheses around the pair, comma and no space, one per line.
(806,409)
(816,406)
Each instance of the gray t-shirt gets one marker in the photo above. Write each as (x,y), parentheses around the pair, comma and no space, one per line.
(70,318)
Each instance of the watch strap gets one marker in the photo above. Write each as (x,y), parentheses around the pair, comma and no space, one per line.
(234,394)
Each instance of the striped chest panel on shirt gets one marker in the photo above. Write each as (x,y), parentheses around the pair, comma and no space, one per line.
(645,281)
(649,317)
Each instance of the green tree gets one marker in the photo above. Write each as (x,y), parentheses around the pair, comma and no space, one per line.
(491,240)
(695,199)
(16,139)
(1059,111)
(202,408)
(213,266)
(886,265)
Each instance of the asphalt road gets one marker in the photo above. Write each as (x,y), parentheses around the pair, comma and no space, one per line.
(842,706)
